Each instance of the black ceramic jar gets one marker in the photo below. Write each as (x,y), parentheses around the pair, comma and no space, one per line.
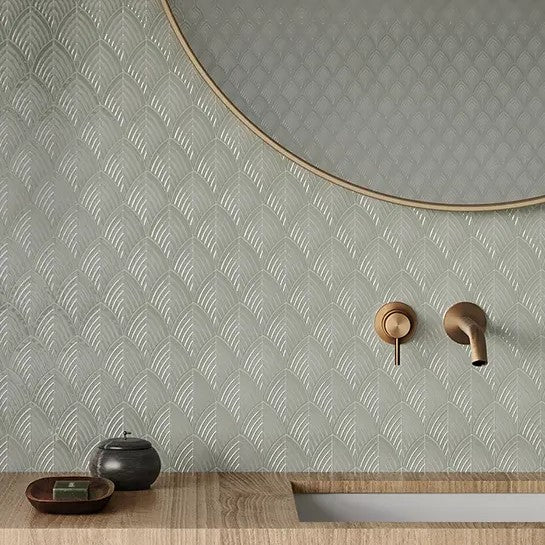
(131,463)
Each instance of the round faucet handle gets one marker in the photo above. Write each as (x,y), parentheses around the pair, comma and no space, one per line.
(397,325)
(394,324)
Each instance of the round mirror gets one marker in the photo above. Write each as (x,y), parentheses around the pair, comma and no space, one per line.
(431,103)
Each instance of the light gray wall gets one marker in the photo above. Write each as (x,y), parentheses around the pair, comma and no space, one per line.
(432,100)
(163,271)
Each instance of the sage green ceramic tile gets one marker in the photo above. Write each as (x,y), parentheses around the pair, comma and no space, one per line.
(164,271)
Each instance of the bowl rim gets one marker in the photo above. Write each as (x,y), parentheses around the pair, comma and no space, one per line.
(108,493)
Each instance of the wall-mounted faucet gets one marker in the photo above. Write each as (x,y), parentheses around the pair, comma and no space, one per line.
(465,323)
(395,323)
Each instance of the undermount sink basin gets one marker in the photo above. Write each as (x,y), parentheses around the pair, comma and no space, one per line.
(420,507)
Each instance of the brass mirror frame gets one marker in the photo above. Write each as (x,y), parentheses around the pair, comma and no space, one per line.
(313,168)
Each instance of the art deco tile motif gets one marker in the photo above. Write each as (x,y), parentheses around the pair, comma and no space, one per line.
(163,271)
(434,100)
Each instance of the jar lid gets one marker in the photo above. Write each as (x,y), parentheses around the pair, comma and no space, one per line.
(124,443)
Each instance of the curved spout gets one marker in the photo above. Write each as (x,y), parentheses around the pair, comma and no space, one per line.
(477,340)
(465,323)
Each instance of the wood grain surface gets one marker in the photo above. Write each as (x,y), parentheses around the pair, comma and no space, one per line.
(258,508)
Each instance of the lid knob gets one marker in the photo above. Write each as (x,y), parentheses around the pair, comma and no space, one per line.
(125,433)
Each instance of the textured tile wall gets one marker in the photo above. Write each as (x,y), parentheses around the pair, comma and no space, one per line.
(163,271)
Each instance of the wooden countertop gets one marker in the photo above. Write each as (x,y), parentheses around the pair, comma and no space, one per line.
(242,508)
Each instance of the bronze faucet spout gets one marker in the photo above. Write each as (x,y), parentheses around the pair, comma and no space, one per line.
(476,340)
(465,323)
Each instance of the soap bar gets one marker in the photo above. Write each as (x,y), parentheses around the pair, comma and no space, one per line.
(71,490)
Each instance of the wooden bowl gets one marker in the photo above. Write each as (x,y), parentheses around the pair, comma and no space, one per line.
(40,494)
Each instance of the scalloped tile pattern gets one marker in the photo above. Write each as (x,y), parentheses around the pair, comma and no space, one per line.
(433,100)
(163,271)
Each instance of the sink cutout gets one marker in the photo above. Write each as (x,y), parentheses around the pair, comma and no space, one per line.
(420,507)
